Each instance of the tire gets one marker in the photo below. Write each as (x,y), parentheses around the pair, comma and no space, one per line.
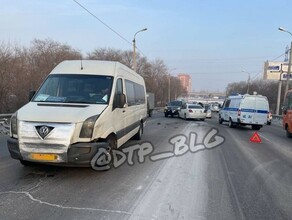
(202,119)
(230,123)
(256,127)
(112,141)
(138,136)
(288,133)
(150,113)
(165,115)
(269,123)
(220,120)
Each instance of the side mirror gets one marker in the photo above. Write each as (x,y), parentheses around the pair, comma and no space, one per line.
(121,100)
(31,95)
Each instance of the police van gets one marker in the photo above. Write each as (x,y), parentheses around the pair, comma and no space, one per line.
(81,104)
(245,110)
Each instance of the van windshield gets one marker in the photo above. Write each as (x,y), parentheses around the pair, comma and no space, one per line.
(75,88)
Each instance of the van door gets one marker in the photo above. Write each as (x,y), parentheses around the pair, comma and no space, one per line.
(133,109)
(287,111)
(262,109)
(225,110)
(119,112)
(248,110)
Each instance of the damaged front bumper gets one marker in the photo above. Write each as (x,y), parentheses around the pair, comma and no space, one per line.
(79,154)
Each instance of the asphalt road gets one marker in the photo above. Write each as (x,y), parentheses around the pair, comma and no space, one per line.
(212,172)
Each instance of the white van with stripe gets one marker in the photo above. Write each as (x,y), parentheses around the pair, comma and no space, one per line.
(245,110)
(80,107)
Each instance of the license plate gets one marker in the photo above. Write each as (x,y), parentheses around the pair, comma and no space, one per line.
(45,157)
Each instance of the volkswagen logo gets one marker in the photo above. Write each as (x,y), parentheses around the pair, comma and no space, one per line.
(43,130)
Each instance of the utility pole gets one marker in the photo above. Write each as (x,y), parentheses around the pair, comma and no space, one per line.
(279,92)
(134,49)
(289,70)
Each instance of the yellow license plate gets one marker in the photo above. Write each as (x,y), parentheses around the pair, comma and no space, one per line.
(45,157)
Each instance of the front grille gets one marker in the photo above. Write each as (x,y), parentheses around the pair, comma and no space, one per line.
(57,141)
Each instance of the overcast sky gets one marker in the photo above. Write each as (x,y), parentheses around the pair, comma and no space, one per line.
(212,40)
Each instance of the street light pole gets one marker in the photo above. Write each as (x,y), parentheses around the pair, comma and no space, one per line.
(279,92)
(169,83)
(248,81)
(289,69)
(134,48)
(289,65)
(168,87)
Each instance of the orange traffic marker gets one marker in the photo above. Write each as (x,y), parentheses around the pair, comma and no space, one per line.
(255,138)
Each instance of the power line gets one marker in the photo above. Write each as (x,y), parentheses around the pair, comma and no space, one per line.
(102,22)
(106,25)
(260,71)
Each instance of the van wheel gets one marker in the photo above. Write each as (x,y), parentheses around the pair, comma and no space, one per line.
(230,123)
(112,144)
(150,113)
(288,133)
(112,141)
(256,127)
(220,120)
(138,136)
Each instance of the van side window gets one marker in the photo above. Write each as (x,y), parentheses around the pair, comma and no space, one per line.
(135,93)
(118,91)
(119,87)
(227,103)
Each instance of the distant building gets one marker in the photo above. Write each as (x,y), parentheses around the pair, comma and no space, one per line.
(273,70)
(186,82)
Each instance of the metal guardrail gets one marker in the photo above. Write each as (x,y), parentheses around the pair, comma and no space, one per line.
(6,115)
(4,124)
(277,116)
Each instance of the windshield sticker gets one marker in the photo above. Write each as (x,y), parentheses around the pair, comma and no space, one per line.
(56,99)
(41,97)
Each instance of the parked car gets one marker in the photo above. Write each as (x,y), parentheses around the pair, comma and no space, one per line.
(192,111)
(269,119)
(208,111)
(172,108)
(215,107)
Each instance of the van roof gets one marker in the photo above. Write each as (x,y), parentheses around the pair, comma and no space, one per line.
(245,95)
(95,67)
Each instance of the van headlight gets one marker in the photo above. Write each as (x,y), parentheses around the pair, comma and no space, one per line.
(13,125)
(88,126)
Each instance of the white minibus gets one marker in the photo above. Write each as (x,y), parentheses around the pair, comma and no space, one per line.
(81,104)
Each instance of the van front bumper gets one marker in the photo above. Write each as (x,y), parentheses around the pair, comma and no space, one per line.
(79,154)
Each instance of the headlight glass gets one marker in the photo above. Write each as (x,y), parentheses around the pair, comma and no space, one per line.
(87,127)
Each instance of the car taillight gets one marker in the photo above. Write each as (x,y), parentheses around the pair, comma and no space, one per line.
(238,113)
(190,110)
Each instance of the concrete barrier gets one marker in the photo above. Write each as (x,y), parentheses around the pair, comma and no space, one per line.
(277,120)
